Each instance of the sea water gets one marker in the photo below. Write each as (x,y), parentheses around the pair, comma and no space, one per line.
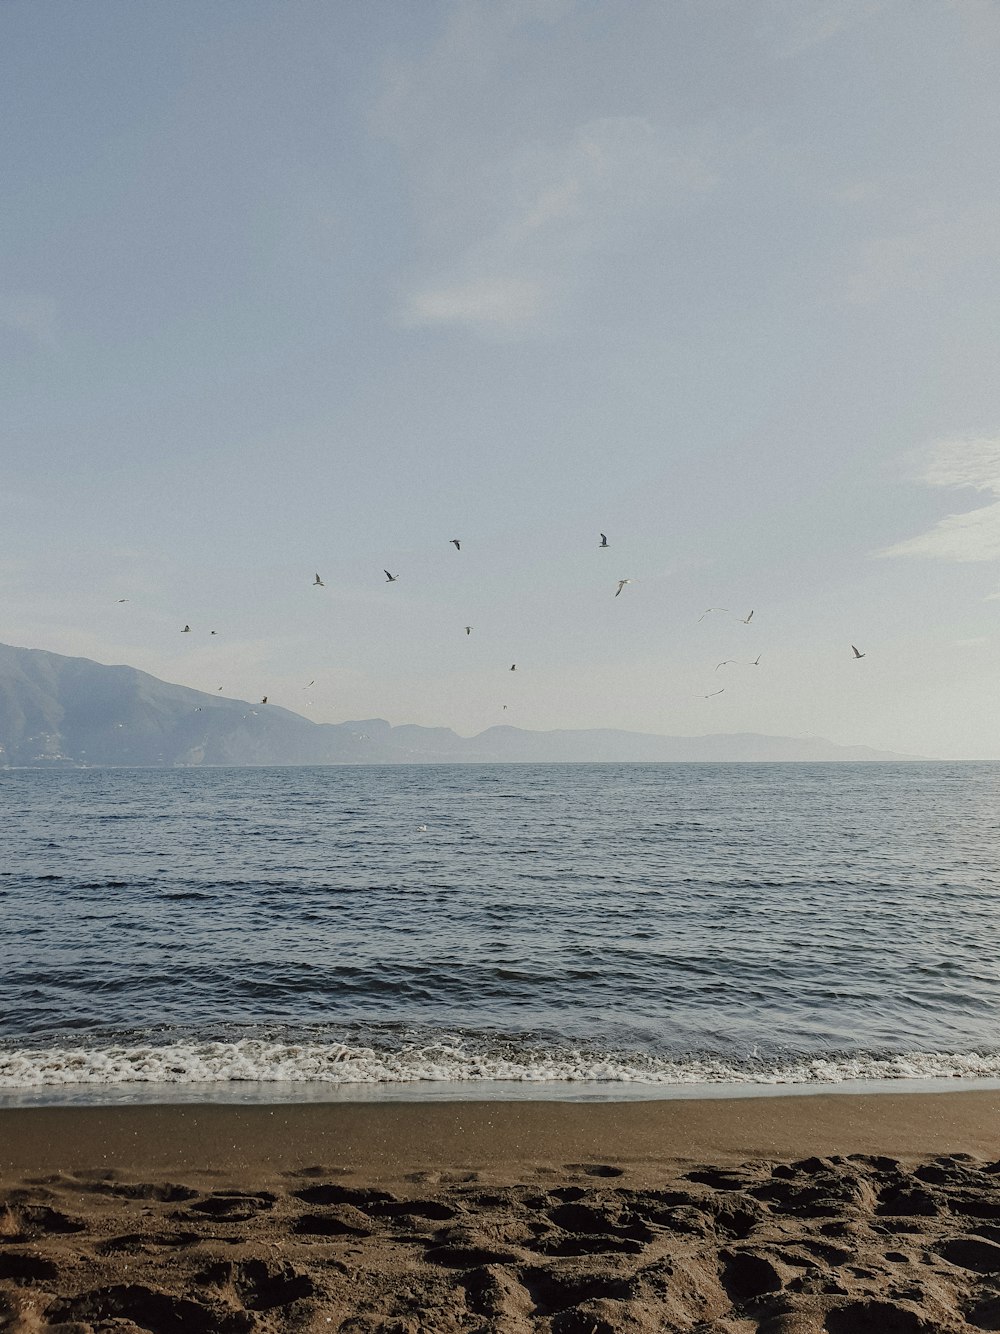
(616,927)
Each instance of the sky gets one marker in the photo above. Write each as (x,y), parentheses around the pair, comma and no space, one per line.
(315,287)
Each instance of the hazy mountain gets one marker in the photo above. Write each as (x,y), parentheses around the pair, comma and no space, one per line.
(58,711)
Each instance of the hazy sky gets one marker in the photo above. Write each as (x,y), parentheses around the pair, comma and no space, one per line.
(317,286)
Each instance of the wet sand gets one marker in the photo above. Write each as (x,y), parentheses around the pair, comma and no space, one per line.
(786,1215)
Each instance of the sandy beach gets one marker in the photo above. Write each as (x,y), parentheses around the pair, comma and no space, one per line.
(834,1213)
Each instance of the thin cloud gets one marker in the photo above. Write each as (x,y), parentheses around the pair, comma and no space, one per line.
(514,214)
(975,535)
(562,205)
(802,25)
(499,303)
(923,254)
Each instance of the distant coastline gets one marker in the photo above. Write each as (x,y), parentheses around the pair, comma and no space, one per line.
(72,713)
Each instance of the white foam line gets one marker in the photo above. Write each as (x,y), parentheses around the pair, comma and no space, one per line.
(257,1061)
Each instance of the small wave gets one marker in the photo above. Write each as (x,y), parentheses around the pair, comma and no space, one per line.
(259,1061)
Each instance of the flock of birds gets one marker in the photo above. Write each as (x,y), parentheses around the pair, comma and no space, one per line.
(603,545)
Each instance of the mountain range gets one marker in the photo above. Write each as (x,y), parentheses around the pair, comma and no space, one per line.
(70,712)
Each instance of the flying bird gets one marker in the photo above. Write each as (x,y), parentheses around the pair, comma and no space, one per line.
(213,632)
(747,619)
(318,582)
(121,599)
(264,700)
(709,609)
(469,629)
(390,578)
(736,663)
(604,542)
(311,683)
(456,543)
(621,585)
(513,666)
(186,630)
(715,692)
(857,652)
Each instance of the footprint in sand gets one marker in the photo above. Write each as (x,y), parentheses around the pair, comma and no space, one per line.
(148,1308)
(231,1206)
(19,1268)
(28,1222)
(595,1169)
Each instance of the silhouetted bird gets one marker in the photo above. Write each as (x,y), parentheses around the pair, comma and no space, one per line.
(621,585)
(456,543)
(390,578)
(186,630)
(604,541)
(857,652)
(318,582)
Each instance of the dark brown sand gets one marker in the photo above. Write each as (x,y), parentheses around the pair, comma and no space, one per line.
(876,1213)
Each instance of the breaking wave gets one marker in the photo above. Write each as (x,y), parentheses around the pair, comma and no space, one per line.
(194,1062)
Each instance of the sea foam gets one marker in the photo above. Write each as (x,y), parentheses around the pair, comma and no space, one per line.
(192,1062)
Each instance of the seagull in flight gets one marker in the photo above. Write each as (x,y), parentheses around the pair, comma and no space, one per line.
(857,652)
(186,630)
(513,666)
(621,585)
(264,700)
(311,683)
(469,629)
(604,542)
(710,609)
(121,599)
(747,619)
(714,693)
(318,582)
(726,663)
(455,543)
(390,578)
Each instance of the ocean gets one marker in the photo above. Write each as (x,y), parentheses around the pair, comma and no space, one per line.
(606,929)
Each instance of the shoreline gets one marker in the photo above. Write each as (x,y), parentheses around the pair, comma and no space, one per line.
(278,1093)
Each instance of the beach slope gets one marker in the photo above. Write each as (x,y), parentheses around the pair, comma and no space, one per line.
(786,1215)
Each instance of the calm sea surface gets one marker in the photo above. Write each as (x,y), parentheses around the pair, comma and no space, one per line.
(644,924)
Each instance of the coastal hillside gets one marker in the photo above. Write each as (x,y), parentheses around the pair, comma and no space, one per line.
(62,711)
